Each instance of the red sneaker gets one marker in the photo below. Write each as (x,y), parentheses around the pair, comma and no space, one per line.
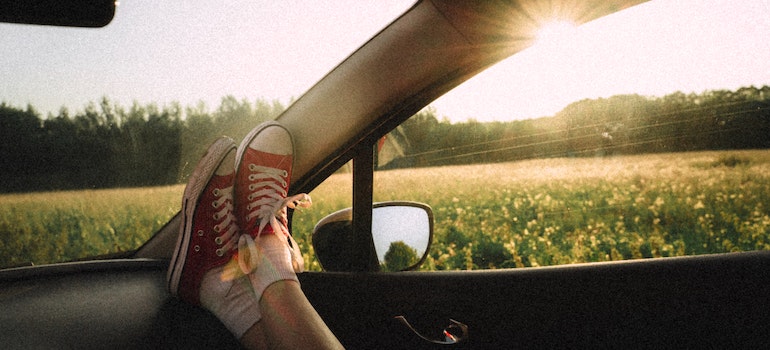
(209,232)
(263,172)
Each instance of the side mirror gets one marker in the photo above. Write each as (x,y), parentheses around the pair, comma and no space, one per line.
(401,233)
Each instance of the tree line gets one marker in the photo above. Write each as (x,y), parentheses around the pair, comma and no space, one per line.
(107,145)
(622,124)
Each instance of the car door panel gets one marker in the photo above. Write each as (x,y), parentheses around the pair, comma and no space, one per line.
(692,302)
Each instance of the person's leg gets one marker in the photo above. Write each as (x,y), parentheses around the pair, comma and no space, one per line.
(265,308)
(289,321)
(268,254)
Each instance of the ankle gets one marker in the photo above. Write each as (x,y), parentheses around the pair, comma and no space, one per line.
(275,263)
(231,301)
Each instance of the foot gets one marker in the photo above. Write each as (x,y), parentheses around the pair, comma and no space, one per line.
(208,233)
(263,172)
(200,271)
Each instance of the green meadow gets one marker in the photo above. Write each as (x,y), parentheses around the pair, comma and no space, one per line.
(574,210)
(520,214)
(47,227)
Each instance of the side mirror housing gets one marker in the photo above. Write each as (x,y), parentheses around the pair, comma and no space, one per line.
(401,232)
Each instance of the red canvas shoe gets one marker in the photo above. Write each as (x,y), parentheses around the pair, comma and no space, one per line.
(263,171)
(209,232)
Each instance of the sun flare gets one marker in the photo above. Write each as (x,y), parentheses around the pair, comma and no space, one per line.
(555,33)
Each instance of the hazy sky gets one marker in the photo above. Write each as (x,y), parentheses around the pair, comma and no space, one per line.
(191,51)
(652,49)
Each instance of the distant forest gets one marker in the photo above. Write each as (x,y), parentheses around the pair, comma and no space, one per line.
(107,145)
(623,124)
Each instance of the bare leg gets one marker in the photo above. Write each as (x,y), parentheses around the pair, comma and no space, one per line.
(254,338)
(288,322)
(205,269)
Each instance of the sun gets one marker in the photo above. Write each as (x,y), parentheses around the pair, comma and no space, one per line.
(555,33)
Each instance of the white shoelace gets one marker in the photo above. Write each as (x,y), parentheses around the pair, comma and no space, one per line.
(270,207)
(226,228)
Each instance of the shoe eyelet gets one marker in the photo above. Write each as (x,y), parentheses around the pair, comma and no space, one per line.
(252,187)
(215,204)
(252,167)
(252,177)
(200,233)
(215,192)
(218,240)
(220,252)
(285,173)
(217,228)
(215,216)
(197,248)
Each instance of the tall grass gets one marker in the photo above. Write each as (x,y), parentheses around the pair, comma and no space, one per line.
(572,210)
(528,213)
(48,227)
(561,211)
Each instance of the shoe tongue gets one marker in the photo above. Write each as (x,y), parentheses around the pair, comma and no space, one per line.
(221,181)
(275,161)
(271,160)
(281,162)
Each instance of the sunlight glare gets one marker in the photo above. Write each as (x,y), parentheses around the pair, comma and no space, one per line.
(556,33)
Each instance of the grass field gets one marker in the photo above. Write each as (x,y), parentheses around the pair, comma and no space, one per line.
(560,211)
(527,213)
(48,227)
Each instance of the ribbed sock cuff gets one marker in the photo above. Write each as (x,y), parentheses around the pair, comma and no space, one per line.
(233,302)
(275,264)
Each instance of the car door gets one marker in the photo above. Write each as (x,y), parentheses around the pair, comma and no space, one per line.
(526,301)
(606,289)
(703,301)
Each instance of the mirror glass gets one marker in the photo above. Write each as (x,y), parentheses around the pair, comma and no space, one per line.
(401,235)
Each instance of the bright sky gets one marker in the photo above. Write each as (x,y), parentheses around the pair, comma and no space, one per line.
(163,51)
(652,49)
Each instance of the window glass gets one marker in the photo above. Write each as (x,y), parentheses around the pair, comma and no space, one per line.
(100,128)
(333,194)
(644,136)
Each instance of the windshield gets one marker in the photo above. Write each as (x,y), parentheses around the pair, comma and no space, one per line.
(642,134)
(100,128)
(639,135)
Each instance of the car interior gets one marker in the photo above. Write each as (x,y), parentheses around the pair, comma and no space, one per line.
(705,301)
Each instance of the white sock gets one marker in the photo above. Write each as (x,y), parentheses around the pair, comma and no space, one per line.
(232,301)
(275,264)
